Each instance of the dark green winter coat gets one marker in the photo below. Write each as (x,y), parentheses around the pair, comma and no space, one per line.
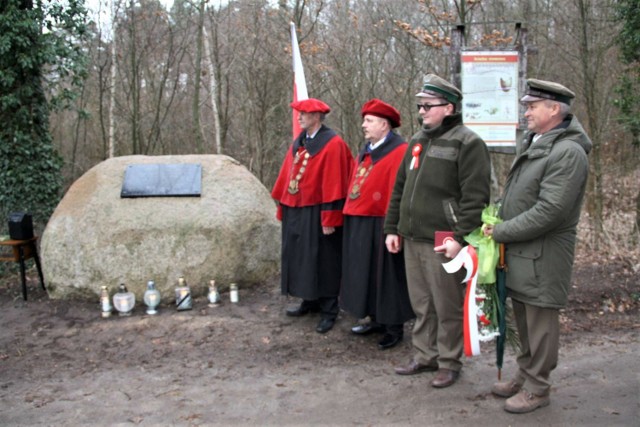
(541,209)
(447,190)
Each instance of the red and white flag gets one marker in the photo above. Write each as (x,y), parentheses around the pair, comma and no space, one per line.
(299,82)
(468,258)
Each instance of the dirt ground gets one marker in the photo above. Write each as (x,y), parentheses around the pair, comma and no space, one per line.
(249,364)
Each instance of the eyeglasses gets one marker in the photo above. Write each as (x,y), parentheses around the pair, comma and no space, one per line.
(428,107)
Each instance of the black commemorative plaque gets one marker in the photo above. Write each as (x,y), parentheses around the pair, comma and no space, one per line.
(162,180)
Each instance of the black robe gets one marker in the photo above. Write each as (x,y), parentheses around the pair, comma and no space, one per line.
(374,280)
(311,261)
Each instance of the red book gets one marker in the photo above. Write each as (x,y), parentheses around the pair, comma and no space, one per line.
(441,237)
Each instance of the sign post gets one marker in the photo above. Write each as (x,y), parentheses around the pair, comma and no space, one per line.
(490,95)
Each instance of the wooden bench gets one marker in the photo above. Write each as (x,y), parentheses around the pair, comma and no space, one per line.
(23,250)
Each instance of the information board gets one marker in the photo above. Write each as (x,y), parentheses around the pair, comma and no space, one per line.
(490,95)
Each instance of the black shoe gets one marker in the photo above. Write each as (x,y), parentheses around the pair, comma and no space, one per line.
(389,341)
(301,310)
(297,311)
(367,328)
(325,325)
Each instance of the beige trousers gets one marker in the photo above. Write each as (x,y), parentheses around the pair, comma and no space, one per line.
(437,300)
(539,332)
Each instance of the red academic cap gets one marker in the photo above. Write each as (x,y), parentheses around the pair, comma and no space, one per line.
(311,105)
(377,108)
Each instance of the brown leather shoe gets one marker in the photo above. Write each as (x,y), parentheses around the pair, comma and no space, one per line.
(444,378)
(506,389)
(524,402)
(415,368)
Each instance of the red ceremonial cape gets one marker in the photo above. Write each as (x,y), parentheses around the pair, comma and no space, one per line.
(376,188)
(325,177)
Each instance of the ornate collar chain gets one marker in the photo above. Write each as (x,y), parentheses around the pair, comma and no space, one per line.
(361,176)
(295,177)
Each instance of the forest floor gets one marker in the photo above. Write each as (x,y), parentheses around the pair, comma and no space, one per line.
(249,364)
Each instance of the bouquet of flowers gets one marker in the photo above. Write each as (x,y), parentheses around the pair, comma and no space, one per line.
(484,312)
(489,308)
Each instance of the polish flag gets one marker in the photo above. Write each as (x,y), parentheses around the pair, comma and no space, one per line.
(299,83)
(468,258)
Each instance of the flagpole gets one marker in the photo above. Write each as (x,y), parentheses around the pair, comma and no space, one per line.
(299,82)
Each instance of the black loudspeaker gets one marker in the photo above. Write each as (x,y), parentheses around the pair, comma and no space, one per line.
(20,226)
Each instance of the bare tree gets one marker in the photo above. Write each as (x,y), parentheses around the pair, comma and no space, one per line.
(580,52)
(216,77)
(150,76)
(115,7)
(213,92)
(195,109)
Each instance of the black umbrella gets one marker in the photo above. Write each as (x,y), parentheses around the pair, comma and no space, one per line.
(501,284)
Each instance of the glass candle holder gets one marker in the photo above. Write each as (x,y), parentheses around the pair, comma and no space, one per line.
(124,301)
(234,295)
(183,295)
(105,302)
(151,297)
(213,295)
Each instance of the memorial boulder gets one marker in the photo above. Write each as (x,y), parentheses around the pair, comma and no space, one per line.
(97,236)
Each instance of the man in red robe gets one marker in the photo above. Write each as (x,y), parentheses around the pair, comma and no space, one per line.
(374,280)
(311,189)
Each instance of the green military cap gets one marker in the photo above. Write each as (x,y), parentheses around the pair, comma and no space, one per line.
(437,87)
(538,90)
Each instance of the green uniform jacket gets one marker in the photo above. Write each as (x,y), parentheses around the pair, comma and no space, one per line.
(541,209)
(449,188)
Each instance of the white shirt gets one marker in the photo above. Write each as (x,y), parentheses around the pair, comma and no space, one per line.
(377,144)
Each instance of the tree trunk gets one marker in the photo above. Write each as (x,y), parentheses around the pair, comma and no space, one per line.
(134,88)
(213,91)
(590,70)
(114,71)
(195,108)
(637,230)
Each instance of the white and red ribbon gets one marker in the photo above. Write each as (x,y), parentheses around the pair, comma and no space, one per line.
(415,161)
(468,258)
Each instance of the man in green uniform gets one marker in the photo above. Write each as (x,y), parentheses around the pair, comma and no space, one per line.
(442,185)
(541,209)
